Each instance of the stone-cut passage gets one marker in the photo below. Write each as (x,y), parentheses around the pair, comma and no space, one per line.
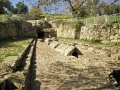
(41,34)
(75,54)
(53,71)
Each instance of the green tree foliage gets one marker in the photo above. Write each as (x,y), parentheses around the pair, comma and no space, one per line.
(35,11)
(91,7)
(82,8)
(105,9)
(21,8)
(5,6)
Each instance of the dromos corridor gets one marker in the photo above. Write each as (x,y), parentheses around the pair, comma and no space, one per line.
(52,71)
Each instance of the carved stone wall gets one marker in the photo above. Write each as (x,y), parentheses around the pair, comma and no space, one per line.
(104,32)
(10,30)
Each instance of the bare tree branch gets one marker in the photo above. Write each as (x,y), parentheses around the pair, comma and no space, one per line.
(72,7)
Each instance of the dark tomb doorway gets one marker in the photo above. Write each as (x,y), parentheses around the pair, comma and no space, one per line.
(75,53)
(41,34)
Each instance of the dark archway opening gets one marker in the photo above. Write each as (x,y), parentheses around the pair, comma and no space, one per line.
(75,53)
(41,34)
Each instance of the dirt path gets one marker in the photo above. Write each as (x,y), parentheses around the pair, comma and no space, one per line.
(53,71)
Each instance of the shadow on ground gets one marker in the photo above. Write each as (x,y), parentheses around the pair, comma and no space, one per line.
(5,43)
(70,78)
(34,84)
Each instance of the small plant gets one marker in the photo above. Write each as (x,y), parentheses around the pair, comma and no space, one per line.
(79,24)
(1,60)
(117,44)
(95,41)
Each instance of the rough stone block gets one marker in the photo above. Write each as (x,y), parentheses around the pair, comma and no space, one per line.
(54,44)
(58,48)
(17,79)
(63,48)
(48,40)
(68,50)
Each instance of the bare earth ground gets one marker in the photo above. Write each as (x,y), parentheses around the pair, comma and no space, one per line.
(53,71)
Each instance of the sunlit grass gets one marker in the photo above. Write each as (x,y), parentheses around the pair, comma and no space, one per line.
(101,19)
(57,16)
(93,42)
(12,47)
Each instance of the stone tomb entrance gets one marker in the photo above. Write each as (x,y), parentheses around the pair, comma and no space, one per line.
(65,49)
(41,34)
(46,33)
(75,53)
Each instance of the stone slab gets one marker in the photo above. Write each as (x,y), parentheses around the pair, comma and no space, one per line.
(54,44)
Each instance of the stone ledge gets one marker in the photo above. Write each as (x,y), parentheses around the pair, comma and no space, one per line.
(20,78)
(14,61)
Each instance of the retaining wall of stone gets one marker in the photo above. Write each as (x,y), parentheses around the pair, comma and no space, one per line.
(11,31)
(65,31)
(104,32)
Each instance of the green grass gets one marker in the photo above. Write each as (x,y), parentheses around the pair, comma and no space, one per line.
(12,47)
(57,16)
(93,42)
(73,24)
(1,60)
(114,44)
(114,19)
(101,19)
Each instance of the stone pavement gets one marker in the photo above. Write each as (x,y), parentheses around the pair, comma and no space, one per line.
(53,71)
